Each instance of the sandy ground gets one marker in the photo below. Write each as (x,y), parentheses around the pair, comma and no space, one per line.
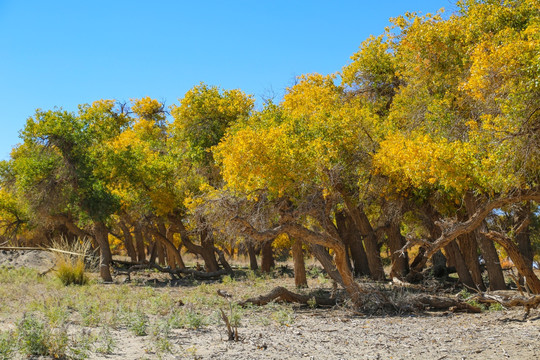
(35,259)
(337,335)
(333,334)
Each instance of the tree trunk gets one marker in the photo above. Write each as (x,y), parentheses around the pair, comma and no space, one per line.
(160,253)
(175,254)
(252,255)
(267,254)
(455,257)
(523,235)
(351,236)
(519,261)
(370,241)
(165,237)
(153,251)
(299,265)
(174,258)
(469,249)
(139,241)
(209,257)
(206,249)
(439,262)
(128,241)
(322,255)
(102,238)
(489,253)
(400,262)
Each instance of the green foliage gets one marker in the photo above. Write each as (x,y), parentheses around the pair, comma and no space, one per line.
(193,319)
(138,323)
(7,345)
(204,114)
(90,314)
(283,316)
(106,343)
(33,336)
(37,338)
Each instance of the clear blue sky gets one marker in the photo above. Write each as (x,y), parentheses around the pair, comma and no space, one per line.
(64,53)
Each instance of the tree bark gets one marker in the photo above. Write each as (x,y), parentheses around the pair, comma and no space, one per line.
(523,234)
(300,279)
(267,254)
(139,241)
(280,293)
(206,251)
(160,235)
(102,238)
(469,249)
(519,261)
(322,255)
(208,254)
(489,253)
(455,257)
(252,255)
(128,240)
(400,260)
(351,235)
(370,241)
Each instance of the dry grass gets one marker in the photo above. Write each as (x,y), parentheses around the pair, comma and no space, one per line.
(71,260)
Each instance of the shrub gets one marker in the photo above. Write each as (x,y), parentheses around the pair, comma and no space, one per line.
(7,345)
(33,336)
(70,260)
(71,272)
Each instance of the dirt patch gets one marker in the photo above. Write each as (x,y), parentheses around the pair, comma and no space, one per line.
(33,259)
(337,335)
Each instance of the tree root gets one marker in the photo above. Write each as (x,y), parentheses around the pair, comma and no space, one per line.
(281,294)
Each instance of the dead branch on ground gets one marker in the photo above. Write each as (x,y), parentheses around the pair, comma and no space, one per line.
(175,273)
(509,299)
(281,294)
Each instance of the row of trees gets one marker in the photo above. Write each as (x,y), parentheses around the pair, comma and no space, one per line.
(429,139)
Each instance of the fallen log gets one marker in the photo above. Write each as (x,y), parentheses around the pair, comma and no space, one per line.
(281,294)
(444,303)
(199,275)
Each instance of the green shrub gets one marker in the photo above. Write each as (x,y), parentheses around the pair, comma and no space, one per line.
(33,336)
(7,345)
(138,323)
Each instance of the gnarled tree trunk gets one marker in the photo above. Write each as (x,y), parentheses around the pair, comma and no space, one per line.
(102,238)
(267,255)
(456,258)
(299,264)
(400,261)
(252,255)
(493,264)
(469,249)
(351,235)
(139,241)
(128,240)
(519,261)
(370,241)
